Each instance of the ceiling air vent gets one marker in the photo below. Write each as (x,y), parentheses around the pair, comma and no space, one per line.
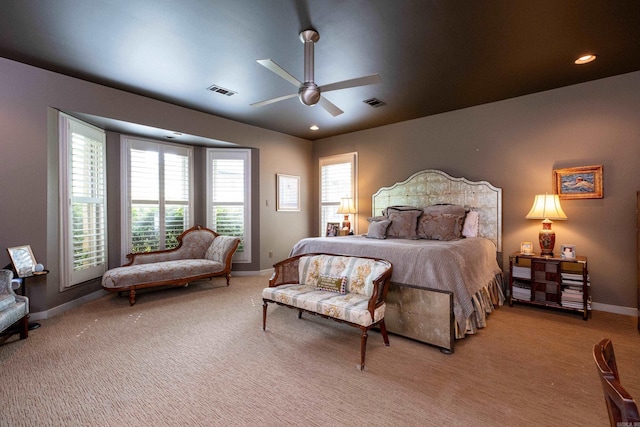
(221,90)
(374,102)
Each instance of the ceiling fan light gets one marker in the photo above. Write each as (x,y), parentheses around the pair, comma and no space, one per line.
(309,94)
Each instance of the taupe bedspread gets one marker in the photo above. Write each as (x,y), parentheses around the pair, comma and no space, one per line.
(461,266)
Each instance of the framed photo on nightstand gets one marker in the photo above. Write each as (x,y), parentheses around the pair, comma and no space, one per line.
(332,229)
(526,248)
(568,251)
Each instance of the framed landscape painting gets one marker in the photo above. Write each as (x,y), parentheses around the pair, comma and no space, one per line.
(578,183)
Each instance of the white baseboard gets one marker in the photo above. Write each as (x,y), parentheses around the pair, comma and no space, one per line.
(66,306)
(617,309)
(266,272)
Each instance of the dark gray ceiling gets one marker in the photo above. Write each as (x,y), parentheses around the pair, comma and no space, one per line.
(433,56)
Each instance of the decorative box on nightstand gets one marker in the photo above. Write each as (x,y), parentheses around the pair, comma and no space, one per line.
(550,281)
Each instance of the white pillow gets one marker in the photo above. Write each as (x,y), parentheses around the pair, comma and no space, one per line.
(471,223)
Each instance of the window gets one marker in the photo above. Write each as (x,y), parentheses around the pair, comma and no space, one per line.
(229,196)
(83,202)
(157,202)
(338,176)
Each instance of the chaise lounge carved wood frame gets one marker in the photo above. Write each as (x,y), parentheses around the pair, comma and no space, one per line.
(194,258)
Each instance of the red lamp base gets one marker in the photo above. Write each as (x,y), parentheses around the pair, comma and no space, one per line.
(547,238)
(346,224)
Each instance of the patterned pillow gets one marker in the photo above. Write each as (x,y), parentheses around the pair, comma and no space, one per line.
(443,227)
(403,224)
(441,222)
(332,284)
(378,229)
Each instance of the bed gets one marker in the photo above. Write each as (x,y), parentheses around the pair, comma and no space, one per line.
(441,290)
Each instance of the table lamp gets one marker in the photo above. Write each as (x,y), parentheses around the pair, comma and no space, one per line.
(346,208)
(546,207)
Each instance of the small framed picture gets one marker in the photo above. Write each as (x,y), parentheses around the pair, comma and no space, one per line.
(526,248)
(288,193)
(332,229)
(23,260)
(568,251)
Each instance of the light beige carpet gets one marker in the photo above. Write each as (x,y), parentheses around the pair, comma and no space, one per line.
(197,356)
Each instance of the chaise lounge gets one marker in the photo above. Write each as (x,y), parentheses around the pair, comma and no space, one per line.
(201,253)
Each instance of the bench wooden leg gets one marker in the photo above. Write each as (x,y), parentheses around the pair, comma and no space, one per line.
(299,314)
(132,296)
(383,331)
(228,278)
(264,315)
(363,348)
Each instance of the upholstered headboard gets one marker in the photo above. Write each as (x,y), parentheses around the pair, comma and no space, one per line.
(430,187)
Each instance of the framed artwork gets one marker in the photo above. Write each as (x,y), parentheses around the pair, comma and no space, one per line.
(332,229)
(23,260)
(578,183)
(568,251)
(288,193)
(526,248)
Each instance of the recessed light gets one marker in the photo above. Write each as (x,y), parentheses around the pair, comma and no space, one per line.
(585,59)
(314,127)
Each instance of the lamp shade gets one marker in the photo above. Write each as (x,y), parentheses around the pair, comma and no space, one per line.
(546,206)
(346,206)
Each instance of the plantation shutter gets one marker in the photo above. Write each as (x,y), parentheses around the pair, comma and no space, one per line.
(145,199)
(159,202)
(176,191)
(228,188)
(84,228)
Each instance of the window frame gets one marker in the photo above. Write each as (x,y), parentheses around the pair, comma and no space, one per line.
(351,157)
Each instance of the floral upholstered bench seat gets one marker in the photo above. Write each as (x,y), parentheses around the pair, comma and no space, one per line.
(347,289)
(201,253)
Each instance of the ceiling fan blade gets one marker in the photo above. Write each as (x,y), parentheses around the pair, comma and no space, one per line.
(330,107)
(273,100)
(275,68)
(345,84)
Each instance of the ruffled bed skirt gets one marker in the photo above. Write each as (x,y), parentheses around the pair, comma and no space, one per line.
(485,301)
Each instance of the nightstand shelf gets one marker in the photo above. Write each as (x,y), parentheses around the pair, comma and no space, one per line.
(550,281)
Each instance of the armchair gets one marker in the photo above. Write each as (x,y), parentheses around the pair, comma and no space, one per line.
(14,309)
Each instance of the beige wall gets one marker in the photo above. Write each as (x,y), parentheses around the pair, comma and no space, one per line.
(28,166)
(516,144)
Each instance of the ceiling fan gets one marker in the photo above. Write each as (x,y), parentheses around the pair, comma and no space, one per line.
(309,92)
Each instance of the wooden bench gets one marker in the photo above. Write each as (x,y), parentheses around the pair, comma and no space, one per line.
(311,283)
